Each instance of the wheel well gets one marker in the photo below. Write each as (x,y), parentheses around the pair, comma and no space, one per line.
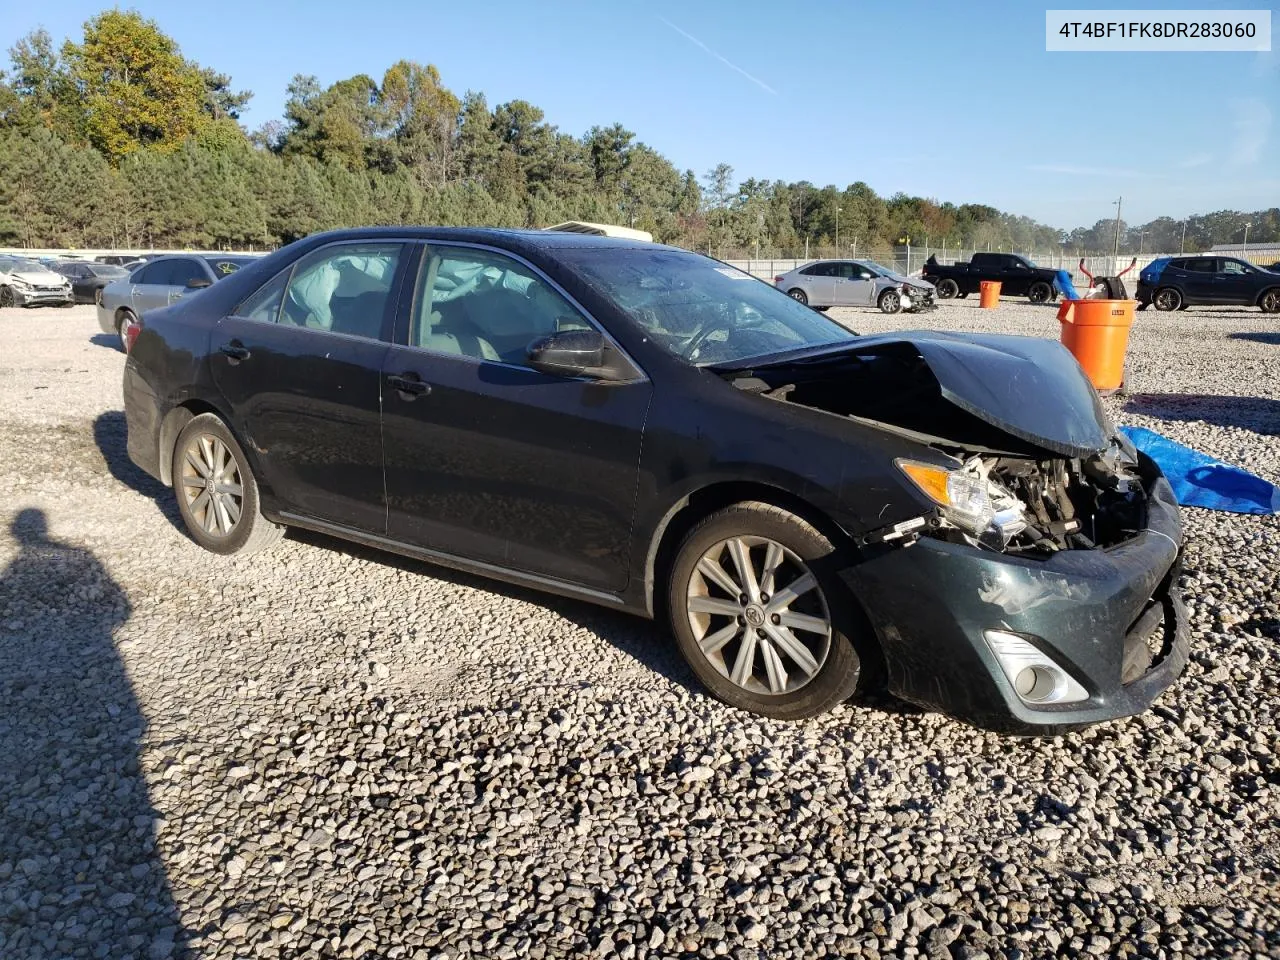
(174,421)
(121,313)
(1264,292)
(701,504)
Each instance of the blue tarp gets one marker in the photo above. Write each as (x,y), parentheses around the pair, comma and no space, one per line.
(1198,480)
(1065,286)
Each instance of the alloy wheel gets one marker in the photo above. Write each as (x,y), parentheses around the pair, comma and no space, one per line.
(212,485)
(1167,299)
(1270,302)
(890,302)
(758,615)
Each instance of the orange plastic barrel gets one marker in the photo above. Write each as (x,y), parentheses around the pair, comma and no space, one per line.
(1097,334)
(989,294)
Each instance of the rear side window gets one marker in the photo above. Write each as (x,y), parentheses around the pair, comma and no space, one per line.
(144,274)
(343,288)
(1201,265)
(182,272)
(264,305)
(819,270)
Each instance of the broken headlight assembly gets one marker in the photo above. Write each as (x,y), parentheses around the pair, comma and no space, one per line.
(970,500)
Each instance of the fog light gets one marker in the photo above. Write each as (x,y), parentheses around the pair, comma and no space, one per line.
(1035,677)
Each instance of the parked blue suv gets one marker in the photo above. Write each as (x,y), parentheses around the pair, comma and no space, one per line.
(1173,283)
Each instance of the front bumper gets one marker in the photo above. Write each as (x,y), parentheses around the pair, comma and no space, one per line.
(917,302)
(931,603)
(1143,294)
(34,296)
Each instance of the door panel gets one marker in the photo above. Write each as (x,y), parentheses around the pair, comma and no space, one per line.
(301,371)
(821,289)
(513,467)
(307,404)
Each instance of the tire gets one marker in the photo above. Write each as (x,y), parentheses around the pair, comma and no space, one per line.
(1270,300)
(947,288)
(1166,299)
(124,316)
(890,301)
(822,309)
(962,296)
(1040,292)
(798,295)
(6,297)
(820,667)
(213,449)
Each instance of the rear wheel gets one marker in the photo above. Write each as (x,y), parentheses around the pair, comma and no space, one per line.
(1270,301)
(947,288)
(760,616)
(6,297)
(1040,292)
(890,301)
(798,295)
(217,494)
(1166,299)
(124,318)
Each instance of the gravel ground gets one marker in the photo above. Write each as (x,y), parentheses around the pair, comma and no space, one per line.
(323,751)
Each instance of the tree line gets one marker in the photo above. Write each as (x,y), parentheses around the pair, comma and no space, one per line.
(118,140)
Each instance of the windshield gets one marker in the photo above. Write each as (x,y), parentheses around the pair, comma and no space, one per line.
(107,270)
(700,310)
(878,267)
(225,266)
(19,264)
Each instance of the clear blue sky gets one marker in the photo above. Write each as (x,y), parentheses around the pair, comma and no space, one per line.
(948,100)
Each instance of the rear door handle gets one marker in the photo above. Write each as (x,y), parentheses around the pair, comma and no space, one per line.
(409,385)
(235,350)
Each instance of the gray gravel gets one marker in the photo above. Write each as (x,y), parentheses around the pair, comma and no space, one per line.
(322,751)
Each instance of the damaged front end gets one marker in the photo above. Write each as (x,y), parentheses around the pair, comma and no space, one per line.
(1033,588)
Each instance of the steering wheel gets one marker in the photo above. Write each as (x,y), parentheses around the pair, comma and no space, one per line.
(745,318)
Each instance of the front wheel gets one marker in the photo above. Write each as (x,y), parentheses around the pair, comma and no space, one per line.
(759,614)
(798,295)
(217,494)
(1040,292)
(6,297)
(1270,301)
(890,301)
(1166,299)
(947,288)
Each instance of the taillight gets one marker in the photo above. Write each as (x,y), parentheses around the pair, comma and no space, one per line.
(777,279)
(132,327)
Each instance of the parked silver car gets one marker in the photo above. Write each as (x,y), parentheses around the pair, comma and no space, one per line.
(158,283)
(26,283)
(855,283)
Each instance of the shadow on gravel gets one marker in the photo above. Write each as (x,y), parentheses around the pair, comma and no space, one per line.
(1259,414)
(105,340)
(111,434)
(640,639)
(79,868)
(1271,338)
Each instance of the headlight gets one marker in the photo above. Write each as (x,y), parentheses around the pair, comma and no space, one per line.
(21,284)
(970,500)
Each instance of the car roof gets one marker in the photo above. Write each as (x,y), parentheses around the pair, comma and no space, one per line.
(511,238)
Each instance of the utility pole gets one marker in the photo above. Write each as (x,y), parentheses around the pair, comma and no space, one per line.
(837,231)
(1115,247)
(1244,253)
(1182,247)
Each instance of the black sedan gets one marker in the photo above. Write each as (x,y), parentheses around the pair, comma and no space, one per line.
(88,279)
(646,428)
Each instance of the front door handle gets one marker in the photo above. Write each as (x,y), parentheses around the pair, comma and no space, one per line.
(409,385)
(235,351)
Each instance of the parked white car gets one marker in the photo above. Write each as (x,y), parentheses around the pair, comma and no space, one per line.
(26,283)
(855,283)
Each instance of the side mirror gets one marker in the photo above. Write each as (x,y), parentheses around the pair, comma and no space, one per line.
(578,353)
(199,283)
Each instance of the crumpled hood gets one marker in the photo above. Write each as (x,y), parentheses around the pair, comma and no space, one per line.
(910,281)
(1029,387)
(41,278)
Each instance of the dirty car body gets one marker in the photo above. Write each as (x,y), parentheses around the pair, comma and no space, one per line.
(855,283)
(1011,557)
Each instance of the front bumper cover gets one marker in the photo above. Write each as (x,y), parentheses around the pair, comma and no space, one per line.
(33,296)
(932,601)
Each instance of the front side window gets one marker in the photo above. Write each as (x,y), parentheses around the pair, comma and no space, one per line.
(483,305)
(1234,268)
(702,311)
(343,288)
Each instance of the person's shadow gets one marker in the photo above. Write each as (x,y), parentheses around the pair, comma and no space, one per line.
(79,871)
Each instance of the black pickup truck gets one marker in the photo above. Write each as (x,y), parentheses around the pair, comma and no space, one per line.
(1018,277)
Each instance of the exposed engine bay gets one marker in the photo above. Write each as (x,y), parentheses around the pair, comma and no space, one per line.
(1008,489)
